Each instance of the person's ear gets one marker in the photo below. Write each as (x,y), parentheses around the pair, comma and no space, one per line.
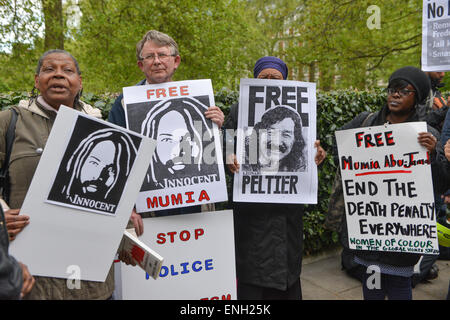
(177,61)
(140,65)
(36,81)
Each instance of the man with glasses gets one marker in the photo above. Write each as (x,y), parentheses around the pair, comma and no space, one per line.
(158,58)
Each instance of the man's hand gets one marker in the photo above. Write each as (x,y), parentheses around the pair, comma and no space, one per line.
(321,154)
(28,280)
(447,150)
(137,222)
(215,115)
(232,163)
(15,222)
(427,140)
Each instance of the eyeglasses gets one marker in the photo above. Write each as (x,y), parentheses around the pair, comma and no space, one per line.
(161,56)
(402,92)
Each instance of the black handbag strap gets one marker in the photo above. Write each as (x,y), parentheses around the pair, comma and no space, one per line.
(4,171)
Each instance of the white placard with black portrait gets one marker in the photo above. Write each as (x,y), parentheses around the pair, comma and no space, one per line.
(95,167)
(275,142)
(187,166)
(90,159)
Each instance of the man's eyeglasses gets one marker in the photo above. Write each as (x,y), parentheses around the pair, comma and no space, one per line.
(401,92)
(161,56)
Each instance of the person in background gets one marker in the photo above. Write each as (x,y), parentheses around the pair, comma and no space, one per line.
(407,88)
(433,111)
(268,236)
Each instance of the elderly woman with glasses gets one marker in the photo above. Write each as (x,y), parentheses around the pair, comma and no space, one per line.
(408,87)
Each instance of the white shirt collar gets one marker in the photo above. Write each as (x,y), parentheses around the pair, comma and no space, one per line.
(43,103)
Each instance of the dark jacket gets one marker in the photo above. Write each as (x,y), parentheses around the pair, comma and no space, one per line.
(10,270)
(389,258)
(268,238)
(117,113)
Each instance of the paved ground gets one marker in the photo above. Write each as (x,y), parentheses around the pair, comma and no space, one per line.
(323,279)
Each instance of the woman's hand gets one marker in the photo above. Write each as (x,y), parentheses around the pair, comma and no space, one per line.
(321,154)
(126,258)
(232,163)
(15,222)
(28,280)
(427,140)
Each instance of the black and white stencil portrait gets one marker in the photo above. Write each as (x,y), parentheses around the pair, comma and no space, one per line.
(182,134)
(95,167)
(276,143)
(186,168)
(275,139)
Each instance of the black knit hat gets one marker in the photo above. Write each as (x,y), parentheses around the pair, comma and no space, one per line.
(417,78)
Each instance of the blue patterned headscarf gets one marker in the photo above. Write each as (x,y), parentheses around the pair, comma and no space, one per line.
(270,62)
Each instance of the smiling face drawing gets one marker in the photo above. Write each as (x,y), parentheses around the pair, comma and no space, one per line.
(277,142)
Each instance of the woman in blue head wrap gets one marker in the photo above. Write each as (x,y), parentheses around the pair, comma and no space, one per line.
(268,236)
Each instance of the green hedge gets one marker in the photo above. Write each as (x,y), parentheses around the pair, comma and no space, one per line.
(333,110)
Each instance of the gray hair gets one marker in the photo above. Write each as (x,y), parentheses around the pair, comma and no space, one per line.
(41,59)
(160,39)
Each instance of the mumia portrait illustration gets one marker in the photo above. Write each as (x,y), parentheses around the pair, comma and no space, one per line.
(94,171)
(276,143)
(184,153)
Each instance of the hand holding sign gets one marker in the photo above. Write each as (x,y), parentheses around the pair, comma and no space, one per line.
(427,140)
(215,115)
(321,154)
(232,163)
(15,222)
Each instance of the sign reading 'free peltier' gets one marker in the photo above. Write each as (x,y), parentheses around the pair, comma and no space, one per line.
(388,189)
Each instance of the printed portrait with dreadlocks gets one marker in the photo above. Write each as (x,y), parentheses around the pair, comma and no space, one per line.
(183,135)
(94,169)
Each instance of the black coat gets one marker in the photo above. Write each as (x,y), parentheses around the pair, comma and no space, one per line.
(10,270)
(268,238)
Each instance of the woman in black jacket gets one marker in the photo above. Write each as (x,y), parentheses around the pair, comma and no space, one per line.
(407,88)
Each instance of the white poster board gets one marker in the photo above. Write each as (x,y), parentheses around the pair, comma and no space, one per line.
(388,189)
(275,142)
(187,166)
(199,260)
(436,35)
(65,235)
